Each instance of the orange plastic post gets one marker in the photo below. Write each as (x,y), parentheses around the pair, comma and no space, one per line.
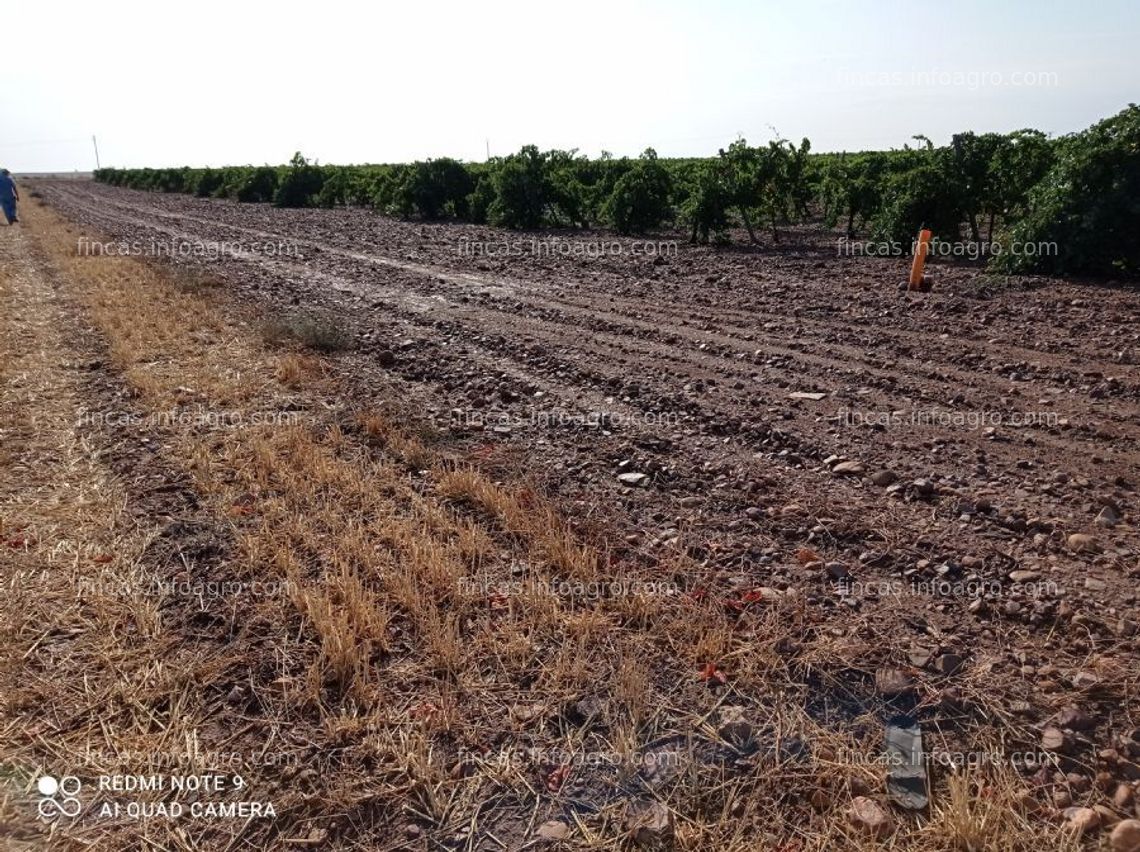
(919,262)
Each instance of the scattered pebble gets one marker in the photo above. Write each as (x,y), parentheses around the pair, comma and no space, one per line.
(923,487)
(1108,517)
(1075,718)
(948,664)
(1082,543)
(650,824)
(634,480)
(893,682)
(1083,820)
(1126,836)
(553,830)
(1053,739)
(867,816)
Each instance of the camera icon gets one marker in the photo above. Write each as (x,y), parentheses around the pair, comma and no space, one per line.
(59,797)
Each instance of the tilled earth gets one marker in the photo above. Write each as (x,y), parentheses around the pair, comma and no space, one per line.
(956,470)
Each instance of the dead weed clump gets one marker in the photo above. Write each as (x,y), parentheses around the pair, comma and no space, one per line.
(317,333)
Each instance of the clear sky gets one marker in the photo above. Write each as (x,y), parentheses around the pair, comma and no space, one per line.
(214,83)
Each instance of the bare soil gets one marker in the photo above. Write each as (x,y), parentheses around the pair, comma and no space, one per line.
(716,342)
(862,483)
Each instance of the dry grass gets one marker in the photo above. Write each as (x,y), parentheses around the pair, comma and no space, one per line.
(437,660)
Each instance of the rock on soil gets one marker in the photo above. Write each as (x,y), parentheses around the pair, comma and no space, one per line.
(634,480)
(1055,740)
(1123,796)
(893,682)
(924,488)
(948,664)
(553,830)
(1083,820)
(1108,517)
(650,824)
(1081,543)
(867,816)
(734,726)
(1075,718)
(1126,836)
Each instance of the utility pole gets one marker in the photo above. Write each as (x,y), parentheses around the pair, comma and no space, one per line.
(488,150)
(96,144)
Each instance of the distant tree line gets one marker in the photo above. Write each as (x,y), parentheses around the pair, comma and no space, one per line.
(1080,192)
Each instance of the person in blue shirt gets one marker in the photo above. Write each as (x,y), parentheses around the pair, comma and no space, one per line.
(9,195)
